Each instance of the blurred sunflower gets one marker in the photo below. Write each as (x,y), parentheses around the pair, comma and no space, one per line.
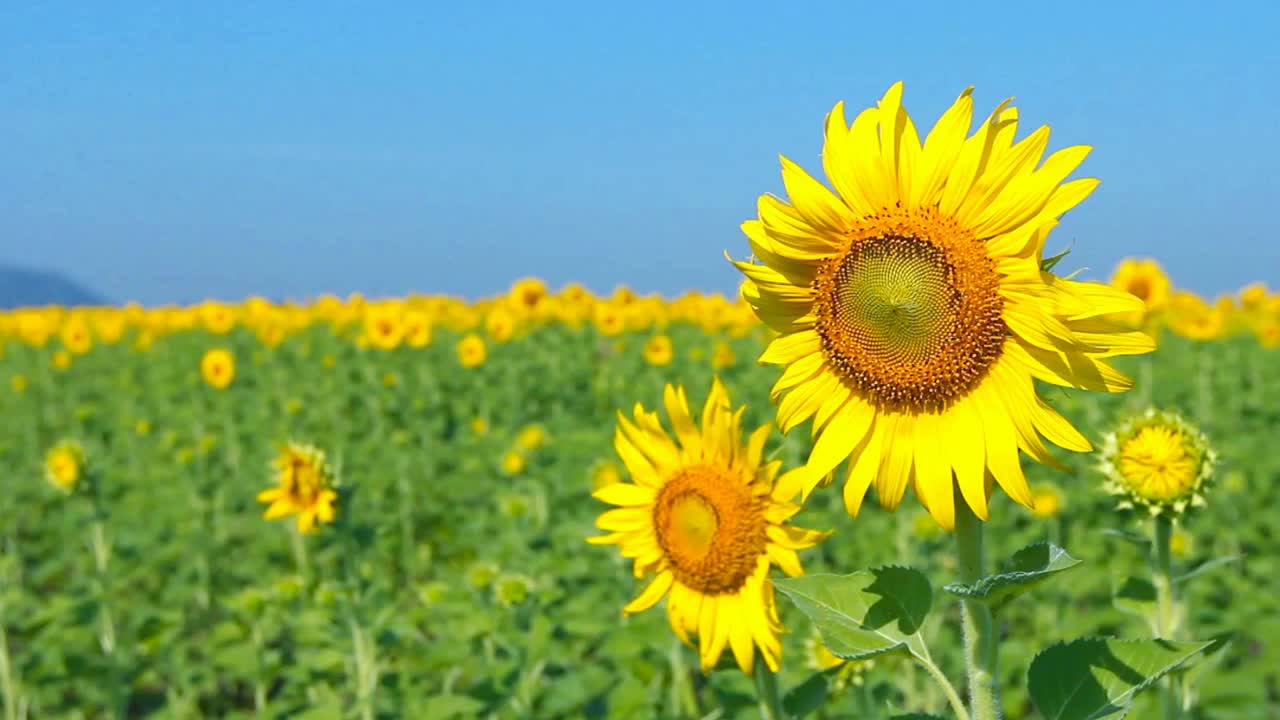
(384,326)
(305,486)
(609,319)
(218,368)
(61,359)
(722,357)
(1191,317)
(76,337)
(500,324)
(703,512)
(1146,280)
(417,329)
(1159,461)
(64,466)
(913,312)
(658,350)
(471,351)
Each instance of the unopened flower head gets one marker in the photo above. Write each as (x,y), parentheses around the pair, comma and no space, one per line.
(1158,461)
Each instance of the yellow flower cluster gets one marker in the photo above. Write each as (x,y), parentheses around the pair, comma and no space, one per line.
(384,324)
(1253,309)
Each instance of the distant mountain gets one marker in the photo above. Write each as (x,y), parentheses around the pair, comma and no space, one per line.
(20,288)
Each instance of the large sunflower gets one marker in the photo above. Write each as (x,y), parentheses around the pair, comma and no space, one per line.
(705,515)
(913,310)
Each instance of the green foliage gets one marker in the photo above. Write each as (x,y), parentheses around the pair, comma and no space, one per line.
(866,613)
(1095,678)
(1028,567)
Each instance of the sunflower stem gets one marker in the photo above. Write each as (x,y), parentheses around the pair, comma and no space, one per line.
(767,691)
(979,626)
(1166,603)
(7,685)
(300,554)
(684,701)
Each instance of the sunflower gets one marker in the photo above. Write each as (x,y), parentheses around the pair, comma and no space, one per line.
(218,368)
(76,337)
(657,350)
(64,466)
(305,486)
(913,312)
(1191,317)
(417,329)
(1159,461)
(609,319)
(706,516)
(1146,280)
(471,351)
(384,325)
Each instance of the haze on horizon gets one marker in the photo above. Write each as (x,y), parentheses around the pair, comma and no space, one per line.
(226,150)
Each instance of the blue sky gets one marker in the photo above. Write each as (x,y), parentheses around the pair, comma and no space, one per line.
(171,152)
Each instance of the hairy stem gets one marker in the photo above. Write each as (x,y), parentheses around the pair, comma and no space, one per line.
(979,626)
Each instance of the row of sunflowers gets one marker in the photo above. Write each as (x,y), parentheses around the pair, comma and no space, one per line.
(389,323)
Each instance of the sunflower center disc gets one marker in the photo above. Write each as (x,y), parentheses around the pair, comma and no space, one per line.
(710,527)
(1157,465)
(910,313)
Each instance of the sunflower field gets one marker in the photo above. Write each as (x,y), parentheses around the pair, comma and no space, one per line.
(553,504)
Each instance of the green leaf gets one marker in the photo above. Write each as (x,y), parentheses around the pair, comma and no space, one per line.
(1096,678)
(867,613)
(1136,596)
(807,696)
(1205,567)
(447,706)
(1141,541)
(917,716)
(1028,567)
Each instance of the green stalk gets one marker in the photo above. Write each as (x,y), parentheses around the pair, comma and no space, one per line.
(1166,604)
(684,701)
(259,683)
(767,691)
(979,626)
(7,685)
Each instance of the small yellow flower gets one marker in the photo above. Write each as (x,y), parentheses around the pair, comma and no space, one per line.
(1157,460)
(819,657)
(390,379)
(605,473)
(531,437)
(64,466)
(18,384)
(471,351)
(218,368)
(304,487)
(142,427)
(433,592)
(479,426)
(658,351)
(513,462)
(61,359)
(723,357)
(1046,501)
(514,506)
